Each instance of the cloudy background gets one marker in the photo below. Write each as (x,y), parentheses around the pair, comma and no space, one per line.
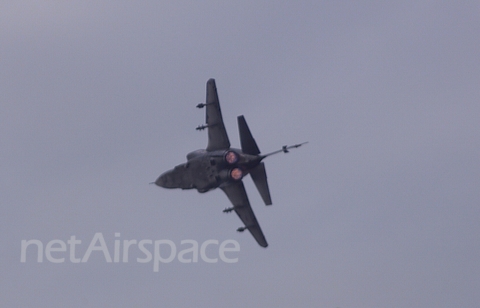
(380,209)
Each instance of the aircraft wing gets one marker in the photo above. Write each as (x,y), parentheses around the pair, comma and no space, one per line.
(217,135)
(238,197)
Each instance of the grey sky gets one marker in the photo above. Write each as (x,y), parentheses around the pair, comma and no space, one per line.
(380,209)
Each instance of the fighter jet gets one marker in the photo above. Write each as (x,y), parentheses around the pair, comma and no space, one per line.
(219,166)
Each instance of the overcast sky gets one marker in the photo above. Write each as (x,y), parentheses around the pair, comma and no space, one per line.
(380,209)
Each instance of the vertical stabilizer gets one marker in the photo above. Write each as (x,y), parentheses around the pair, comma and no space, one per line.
(249,146)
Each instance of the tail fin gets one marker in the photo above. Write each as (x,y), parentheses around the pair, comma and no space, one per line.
(249,146)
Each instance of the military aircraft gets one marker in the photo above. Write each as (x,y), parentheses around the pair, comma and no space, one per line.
(224,167)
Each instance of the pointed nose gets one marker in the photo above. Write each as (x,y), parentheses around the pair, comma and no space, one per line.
(160,181)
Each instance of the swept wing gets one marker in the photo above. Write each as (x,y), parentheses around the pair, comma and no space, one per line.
(235,191)
(217,135)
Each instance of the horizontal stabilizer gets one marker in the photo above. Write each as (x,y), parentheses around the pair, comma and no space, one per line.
(249,146)
(259,177)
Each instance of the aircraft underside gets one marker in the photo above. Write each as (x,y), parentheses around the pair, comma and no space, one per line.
(224,167)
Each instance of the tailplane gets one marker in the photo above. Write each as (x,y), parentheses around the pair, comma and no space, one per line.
(259,176)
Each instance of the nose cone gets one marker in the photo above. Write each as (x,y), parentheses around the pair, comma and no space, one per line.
(161,181)
(174,178)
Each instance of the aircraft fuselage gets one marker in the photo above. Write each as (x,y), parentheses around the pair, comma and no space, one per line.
(208,170)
